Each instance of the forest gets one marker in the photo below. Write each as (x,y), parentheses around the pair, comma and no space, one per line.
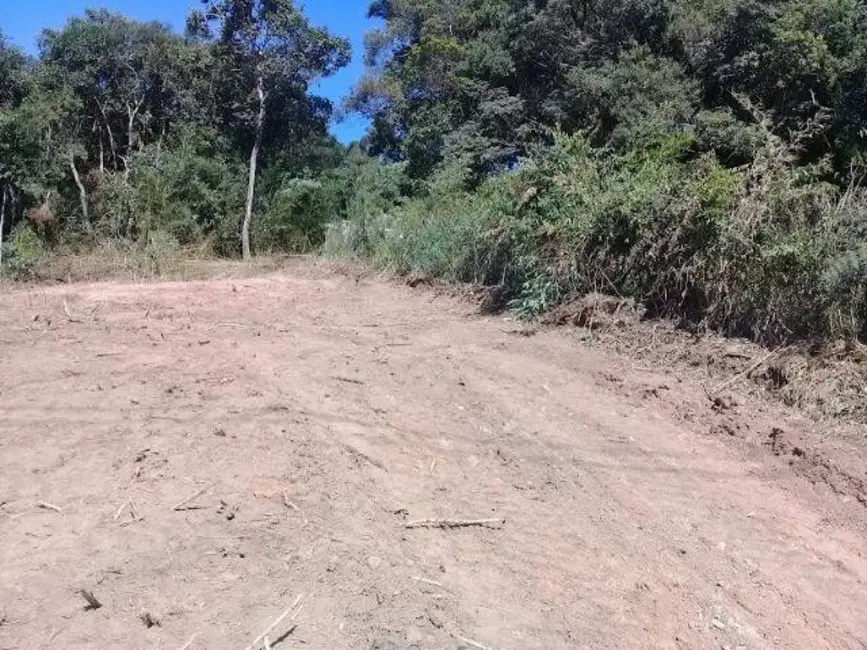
(704,158)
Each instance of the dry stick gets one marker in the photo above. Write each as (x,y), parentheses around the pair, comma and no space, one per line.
(742,375)
(347,380)
(131,522)
(470,642)
(186,502)
(68,313)
(190,642)
(455,523)
(428,582)
(267,644)
(119,511)
(134,511)
(279,620)
(289,504)
(92,602)
(49,506)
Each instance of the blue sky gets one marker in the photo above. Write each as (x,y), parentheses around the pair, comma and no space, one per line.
(23,20)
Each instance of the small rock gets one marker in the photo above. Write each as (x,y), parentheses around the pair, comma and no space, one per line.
(718,624)
(149,619)
(374,562)
(435,620)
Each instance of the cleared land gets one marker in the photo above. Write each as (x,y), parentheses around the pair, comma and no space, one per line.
(313,416)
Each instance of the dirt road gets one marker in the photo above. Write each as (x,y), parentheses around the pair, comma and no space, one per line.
(315,415)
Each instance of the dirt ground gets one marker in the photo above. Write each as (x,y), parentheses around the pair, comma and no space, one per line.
(317,414)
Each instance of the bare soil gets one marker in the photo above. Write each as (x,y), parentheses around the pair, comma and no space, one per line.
(313,415)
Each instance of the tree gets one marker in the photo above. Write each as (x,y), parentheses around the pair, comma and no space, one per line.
(265,48)
(13,90)
(121,71)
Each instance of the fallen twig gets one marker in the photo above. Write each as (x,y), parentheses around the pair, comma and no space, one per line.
(131,522)
(455,523)
(277,622)
(749,371)
(92,602)
(218,325)
(291,505)
(134,511)
(346,380)
(119,511)
(68,313)
(470,642)
(428,581)
(190,642)
(520,332)
(49,506)
(182,505)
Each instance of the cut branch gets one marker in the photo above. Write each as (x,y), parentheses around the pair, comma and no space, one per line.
(744,375)
(277,622)
(456,523)
(92,602)
(183,504)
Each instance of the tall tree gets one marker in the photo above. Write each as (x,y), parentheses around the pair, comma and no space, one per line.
(14,86)
(265,48)
(122,72)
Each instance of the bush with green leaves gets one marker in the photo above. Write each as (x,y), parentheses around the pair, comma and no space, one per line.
(23,251)
(296,216)
(749,251)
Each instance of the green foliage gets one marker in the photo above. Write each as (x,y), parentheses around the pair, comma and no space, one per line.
(192,191)
(749,251)
(296,217)
(700,157)
(133,132)
(23,252)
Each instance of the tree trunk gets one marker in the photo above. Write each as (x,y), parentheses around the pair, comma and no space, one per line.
(251,187)
(82,192)
(110,134)
(2,224)
(132,113)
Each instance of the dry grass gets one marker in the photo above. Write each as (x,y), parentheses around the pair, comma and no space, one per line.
(110,261)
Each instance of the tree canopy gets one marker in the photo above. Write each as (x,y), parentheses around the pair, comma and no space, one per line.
(92,128)
(487,80)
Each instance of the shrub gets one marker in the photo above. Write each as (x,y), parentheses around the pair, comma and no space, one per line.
(764,251)
(296,216)
(25,250)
